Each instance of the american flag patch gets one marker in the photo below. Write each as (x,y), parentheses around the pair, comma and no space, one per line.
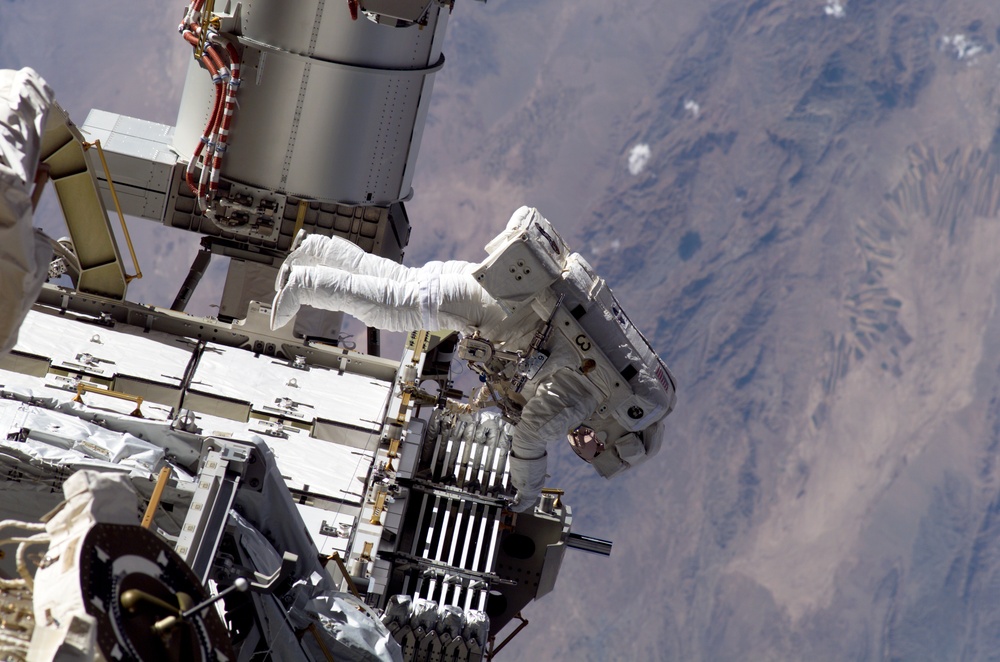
(662,378)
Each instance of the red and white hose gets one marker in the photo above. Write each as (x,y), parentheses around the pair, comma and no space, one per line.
(228,109)
(191,15)
(226,78)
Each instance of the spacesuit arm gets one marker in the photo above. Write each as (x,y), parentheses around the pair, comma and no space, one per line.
(24,253)
(560,404)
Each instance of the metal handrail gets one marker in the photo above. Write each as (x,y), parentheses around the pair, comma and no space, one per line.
(118,208)
(84,387)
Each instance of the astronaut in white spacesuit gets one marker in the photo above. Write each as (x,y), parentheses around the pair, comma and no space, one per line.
(24,252)
(334,274)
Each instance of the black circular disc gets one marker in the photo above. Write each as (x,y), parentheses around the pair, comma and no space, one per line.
(116,558)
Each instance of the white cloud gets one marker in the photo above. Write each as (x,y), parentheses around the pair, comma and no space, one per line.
(692,107)
(960,46)
(614,246)
(638,156)
(834,8)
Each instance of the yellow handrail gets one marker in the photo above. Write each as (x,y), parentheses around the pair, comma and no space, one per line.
(118,208)
(84,387)
(154,500)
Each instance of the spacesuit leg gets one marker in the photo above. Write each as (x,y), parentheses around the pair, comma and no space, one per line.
(450,301)
(560,404)
(448,268)
(339,253)
(378,302)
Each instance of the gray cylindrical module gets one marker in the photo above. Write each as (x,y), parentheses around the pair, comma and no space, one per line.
(329,108)
(324,30)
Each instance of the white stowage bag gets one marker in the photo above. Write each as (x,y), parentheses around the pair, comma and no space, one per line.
(63,628)
(24,254)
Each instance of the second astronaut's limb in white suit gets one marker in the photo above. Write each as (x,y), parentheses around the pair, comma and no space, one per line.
(334,274)
(25,100)
(431,302)
(338,253)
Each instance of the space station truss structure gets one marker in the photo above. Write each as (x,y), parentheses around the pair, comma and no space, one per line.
(274,446)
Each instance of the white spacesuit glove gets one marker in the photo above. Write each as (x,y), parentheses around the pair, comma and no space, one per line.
(528,477)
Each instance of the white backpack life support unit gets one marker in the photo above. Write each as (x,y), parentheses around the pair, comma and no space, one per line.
(534,268)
